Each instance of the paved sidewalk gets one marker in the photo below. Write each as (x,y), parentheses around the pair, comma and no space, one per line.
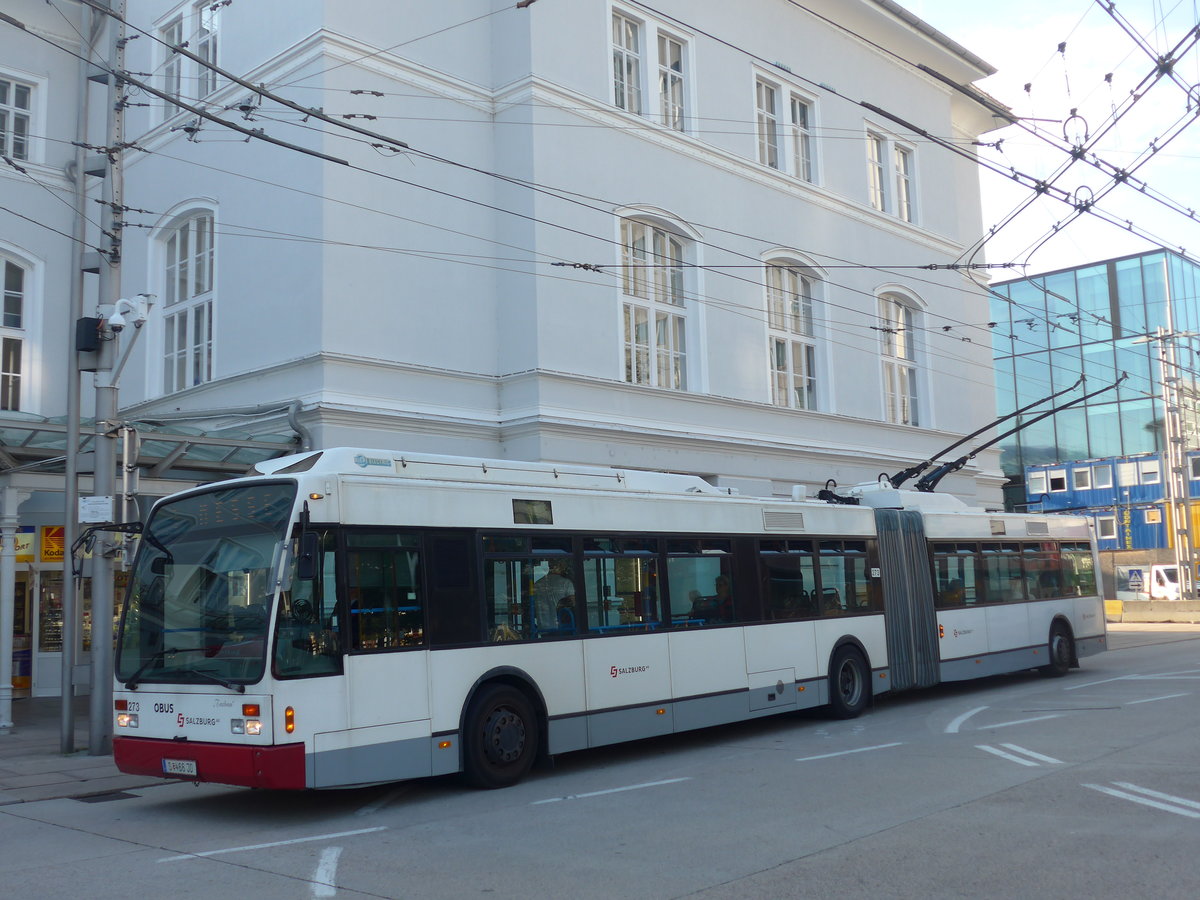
(33,768)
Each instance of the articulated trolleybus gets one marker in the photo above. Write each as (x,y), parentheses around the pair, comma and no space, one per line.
(349,617)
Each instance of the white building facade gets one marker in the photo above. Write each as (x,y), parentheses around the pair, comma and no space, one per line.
(659,236)
(691,253)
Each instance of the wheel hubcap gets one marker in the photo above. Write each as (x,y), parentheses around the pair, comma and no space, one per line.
(848,682)
(504,736)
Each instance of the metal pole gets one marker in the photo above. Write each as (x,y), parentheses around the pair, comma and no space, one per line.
(100,706)
(70,596)
(8,579)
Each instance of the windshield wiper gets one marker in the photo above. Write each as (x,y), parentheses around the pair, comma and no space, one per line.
(132,683)
(217,679)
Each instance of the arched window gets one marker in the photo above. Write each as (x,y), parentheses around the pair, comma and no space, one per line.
(897,327)
(12,333)
(654,308)
(188,260)
(792,346)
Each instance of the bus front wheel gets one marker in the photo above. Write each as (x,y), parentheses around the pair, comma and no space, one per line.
(501,737)
(849,683)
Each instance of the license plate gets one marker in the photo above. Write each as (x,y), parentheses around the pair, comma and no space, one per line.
(179,767)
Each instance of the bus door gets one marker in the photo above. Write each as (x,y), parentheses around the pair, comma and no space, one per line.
(908,599)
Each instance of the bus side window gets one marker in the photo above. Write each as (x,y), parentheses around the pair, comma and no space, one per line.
(386,611)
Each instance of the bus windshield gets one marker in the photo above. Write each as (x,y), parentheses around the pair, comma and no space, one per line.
(202,586)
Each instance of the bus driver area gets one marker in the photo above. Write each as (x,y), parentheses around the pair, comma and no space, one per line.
(416,615)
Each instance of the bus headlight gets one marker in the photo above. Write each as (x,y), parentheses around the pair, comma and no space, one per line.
(253,726)
(127,720)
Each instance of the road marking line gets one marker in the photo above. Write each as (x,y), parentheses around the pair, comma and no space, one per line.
(848,752)
(1187,674)
(953,727)
(303,840)
(1154,699)
(1010,757)
(632,787)
(1145,801)
(1076,687)
(1030,753)
(1157,794)
(325,878)
(1023,721)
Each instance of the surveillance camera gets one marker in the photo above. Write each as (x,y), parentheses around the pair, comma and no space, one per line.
(116,322)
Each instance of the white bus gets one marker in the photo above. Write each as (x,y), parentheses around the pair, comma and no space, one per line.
(351,617)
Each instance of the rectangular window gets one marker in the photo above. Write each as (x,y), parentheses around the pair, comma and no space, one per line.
(383,584)
(955,570)
(171,71)
(1127,474)
(1106,527)
(793,374)
(900,392)
(1036,484)
(652,271)
(670,82)
(10,373)
(15,110)
(1081,479)
(1148,471)
(802,162)
(14,296)
(1058,480)
(637,344)
(206,47)
(904,159)
(627,62)
(1194,467)
(767,118)
(876,180)
(1003,580)
(1102,476)
(671,351)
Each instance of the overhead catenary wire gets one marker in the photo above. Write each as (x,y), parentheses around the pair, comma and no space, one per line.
(215,120)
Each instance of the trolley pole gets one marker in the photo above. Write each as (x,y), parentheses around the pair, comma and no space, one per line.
(100,701)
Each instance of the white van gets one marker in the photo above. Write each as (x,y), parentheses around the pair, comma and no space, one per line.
(1154,582)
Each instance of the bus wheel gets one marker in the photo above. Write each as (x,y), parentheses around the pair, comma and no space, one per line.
(501,737)
(849,683)
(1062,650)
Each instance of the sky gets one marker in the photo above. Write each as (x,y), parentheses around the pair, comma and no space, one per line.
(1021,39)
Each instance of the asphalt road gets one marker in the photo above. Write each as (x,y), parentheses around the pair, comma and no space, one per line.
(1017,786)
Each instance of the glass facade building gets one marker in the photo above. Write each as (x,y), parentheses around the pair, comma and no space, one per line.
(1094,321)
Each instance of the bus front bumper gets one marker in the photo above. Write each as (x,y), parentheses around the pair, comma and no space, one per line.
(276,768)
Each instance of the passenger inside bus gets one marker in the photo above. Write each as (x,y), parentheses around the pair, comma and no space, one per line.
(554,599)
(719,606)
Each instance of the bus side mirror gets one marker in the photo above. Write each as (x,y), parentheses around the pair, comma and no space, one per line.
(306,562)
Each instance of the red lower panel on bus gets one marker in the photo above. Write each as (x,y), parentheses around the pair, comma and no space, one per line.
(278,768)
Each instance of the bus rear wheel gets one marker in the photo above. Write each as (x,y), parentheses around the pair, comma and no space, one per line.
(501,737)
(1062,651)
(849,683)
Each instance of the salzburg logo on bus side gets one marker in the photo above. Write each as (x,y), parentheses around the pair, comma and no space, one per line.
(363,461)
(627,670)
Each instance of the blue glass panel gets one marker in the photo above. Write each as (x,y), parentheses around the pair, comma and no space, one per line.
(1104,426)
(1131,299)
(1140,426)
(1094,313)
(1072,428)
(1032,377)
(1154,284)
